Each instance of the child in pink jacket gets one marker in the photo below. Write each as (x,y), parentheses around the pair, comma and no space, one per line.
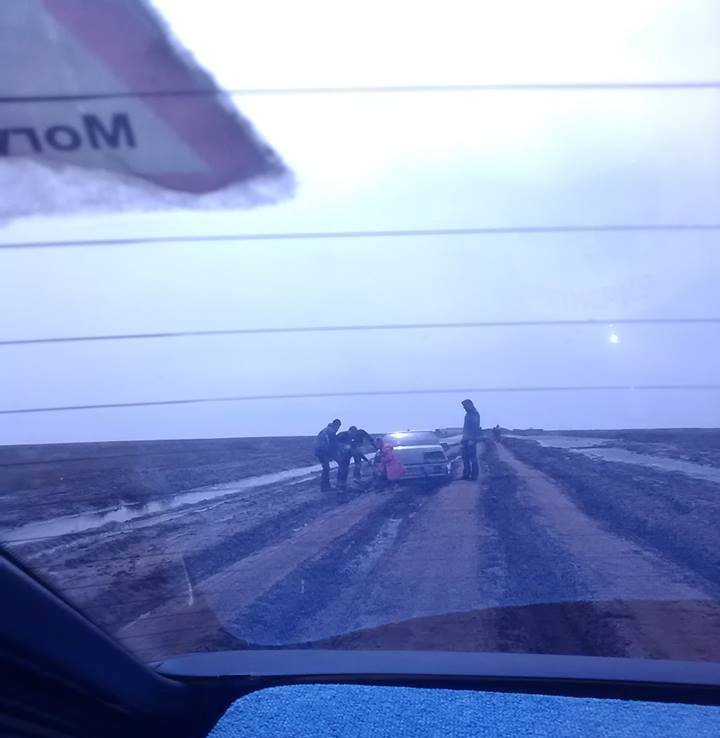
(392,466)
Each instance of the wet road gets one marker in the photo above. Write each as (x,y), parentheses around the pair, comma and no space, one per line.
(515,561)
(514,539)
(73,524)
(602,448)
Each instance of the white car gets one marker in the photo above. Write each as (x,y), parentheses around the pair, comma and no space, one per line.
(423,455)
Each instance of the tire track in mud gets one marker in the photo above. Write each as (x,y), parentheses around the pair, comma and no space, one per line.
(124,598)
(237,585)
(339,578)
(615,575)
(676,516)
(330,590)
(532,567)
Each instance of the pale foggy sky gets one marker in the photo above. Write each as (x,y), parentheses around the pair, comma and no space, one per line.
(430,160)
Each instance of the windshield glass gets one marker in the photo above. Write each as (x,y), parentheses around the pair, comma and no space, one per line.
(230,233)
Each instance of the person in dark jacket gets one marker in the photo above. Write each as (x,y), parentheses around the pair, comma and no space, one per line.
(326,451)
(470,437)
(358,438)
(349,447)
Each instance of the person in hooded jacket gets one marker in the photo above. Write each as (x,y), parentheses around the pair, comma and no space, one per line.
(392,469)
(470,437)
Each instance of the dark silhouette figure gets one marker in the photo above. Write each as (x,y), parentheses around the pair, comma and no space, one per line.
(326,451)
(349,445)
(470,437)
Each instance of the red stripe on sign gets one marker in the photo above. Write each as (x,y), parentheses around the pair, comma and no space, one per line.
(128,38)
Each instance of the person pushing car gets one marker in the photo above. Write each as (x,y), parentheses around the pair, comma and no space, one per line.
(349,447)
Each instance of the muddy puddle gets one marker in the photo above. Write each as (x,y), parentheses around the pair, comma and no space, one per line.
(124,513)
(595,448)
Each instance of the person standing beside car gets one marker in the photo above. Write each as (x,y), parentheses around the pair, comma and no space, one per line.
(470,437)
(326,451)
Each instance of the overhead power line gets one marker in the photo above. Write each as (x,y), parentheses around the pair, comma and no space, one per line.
(368,327)
(368,393)
(385,233)
(647,85)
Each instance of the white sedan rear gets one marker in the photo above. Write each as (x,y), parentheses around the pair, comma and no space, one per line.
(422,455)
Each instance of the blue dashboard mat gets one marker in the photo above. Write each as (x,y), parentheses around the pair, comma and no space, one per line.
(336,711)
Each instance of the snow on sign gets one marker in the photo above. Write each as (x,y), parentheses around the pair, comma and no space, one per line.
(101,84)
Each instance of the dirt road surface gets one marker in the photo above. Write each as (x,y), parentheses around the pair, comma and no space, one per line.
(517,561)
(613,568)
